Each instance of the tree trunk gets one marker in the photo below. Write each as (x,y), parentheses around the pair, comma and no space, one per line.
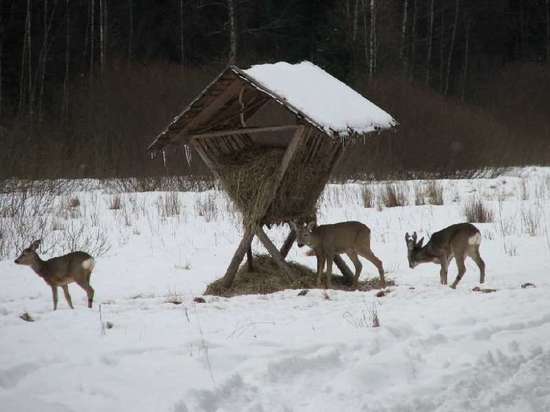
(451,48)
(130,28)
(92,38)
(365,36)
(372,64)
(466,51)
(355,21)
(430,43)
(403,53)
(232,33)
(25,78)
(442,52)
(65,107)
(547,31)
(182,48)
(101,35)
(413,39)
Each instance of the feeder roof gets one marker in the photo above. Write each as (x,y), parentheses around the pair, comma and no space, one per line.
(304,89)
(331,104)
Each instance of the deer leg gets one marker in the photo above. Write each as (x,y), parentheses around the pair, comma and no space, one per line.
(89,291)
(320,267)
(358,268)
(67,296)
(476,257)
(371,257)
(329,272)
(461,270)
(444,268)
(54,296)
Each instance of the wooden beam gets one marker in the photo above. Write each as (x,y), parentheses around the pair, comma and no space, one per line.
(274,252)
(210,110)
(205,158)
(245,130)
(249,259)
(288,244)
(231,271)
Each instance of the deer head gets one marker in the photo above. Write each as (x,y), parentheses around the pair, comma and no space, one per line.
(303,233)
(413,248)
(29,256)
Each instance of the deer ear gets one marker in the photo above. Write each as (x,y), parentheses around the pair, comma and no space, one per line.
(35,245)
(420,242)
(311,226)
(407,237)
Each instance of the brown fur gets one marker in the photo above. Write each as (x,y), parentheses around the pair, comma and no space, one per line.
(60,271)
(327,241)
(455,241)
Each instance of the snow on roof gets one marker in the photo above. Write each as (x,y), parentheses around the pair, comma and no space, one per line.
(330,103)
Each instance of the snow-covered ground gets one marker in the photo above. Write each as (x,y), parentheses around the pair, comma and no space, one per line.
(436,348)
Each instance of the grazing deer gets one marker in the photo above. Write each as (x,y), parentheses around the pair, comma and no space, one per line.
(458,241)
(327,241)
(60,271)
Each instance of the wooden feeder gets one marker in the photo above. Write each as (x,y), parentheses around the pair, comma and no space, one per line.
(272,135)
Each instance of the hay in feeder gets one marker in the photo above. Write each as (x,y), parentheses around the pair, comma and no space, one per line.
(248,178)
(268,278)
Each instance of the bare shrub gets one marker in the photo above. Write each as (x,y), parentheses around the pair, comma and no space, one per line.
(169,205)
(530,220)
(524,189)
(207,208)
(367,195)
(393,195)
(419,194)
(73,202)
(476,212)
(115,202)
(434,192)
(78,236)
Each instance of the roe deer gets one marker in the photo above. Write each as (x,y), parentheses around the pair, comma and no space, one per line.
(327,241)
(60,271)
(458,241)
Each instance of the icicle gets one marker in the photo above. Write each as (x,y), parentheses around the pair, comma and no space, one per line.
(164,158)
(187,150)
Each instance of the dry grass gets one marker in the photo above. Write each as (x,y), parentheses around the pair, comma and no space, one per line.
(367,195)
(476,212)
(115,202)
(394,195)
(267,278)
(169,205)
(434,193)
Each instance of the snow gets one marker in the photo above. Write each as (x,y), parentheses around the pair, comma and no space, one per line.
(330,103)
(436,349)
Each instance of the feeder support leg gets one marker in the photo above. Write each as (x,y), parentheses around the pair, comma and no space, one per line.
(288,243)
(237,258)
(249,259)
(274,252)
(346,271)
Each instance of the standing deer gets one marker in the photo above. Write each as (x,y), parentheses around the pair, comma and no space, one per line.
(327,241)
(60,271)
(458,241)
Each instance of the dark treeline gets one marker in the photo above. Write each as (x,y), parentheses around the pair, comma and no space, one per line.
(86,84)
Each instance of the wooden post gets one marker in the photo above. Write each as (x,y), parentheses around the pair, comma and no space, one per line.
(249,259)
(274,252)
(237,258)
(346,271)
(288,243)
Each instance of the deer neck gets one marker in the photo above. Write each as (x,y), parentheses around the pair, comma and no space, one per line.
(425,254)
(39,267)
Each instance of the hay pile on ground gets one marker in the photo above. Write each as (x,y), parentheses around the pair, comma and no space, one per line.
(268,278)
